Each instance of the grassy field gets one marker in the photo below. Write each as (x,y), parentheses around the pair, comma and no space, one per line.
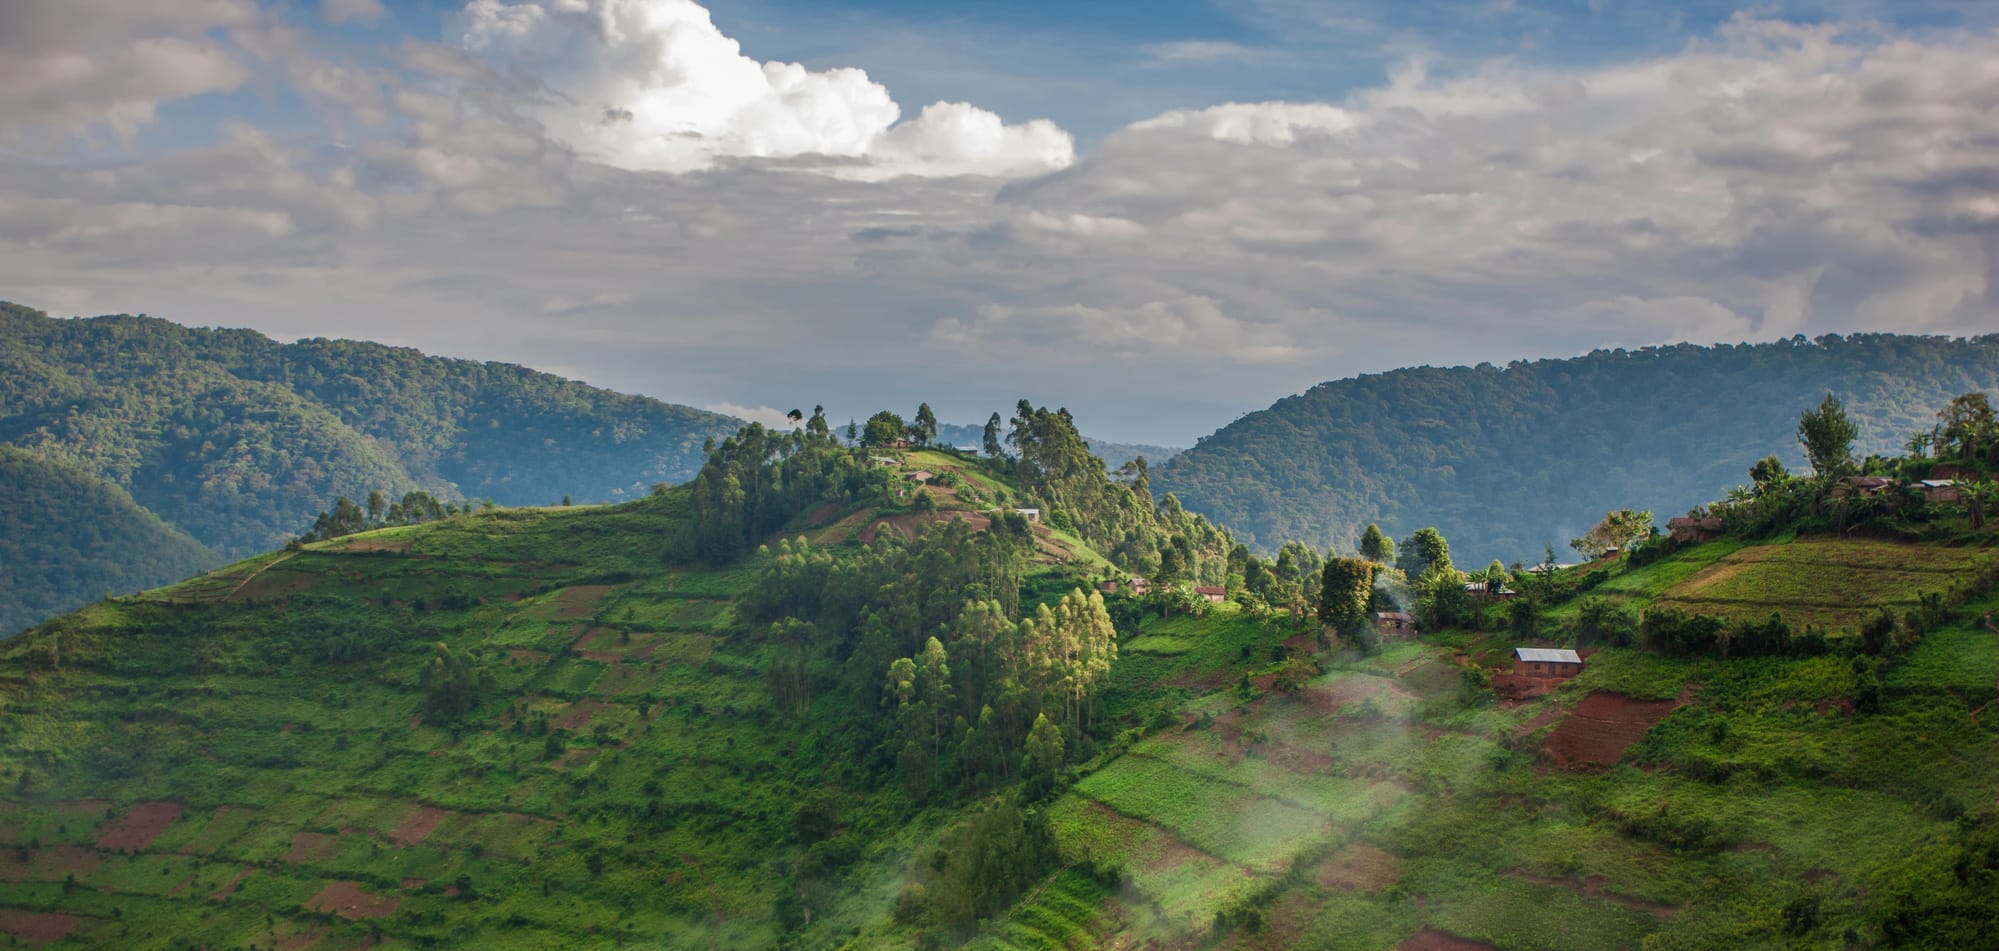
(1831,583)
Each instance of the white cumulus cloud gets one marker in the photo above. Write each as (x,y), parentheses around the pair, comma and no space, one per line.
(654,85)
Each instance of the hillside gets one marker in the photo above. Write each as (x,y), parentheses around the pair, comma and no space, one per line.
(73,539)
(573,726)
(811,700)
(1506,460)
(238,440)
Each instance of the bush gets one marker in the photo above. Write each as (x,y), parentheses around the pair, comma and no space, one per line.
(1601,621)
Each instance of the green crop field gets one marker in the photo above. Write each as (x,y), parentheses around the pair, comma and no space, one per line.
(1831,583)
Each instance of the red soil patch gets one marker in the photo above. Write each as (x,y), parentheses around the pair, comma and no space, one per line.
(1198,680)
(273,585)
(821,515)
(579,602)
(524,656)
(1548,714)
(579,714)
(349,901)
(175,891)
(312,847)
(1430,939)
(48,864)
(418,825)
(229,887)
(1359,868)
(1601,728)
(299,940)
(36,927)
(512,596)
(412,884)
(391,543)
(139,827)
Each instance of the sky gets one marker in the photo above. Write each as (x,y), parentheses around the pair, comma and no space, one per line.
(1161,215)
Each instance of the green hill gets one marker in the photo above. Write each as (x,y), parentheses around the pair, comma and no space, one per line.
(73,538)
(239,441)
(1506,460)
(811,699)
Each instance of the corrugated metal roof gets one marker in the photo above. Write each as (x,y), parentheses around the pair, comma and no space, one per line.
(1543,655)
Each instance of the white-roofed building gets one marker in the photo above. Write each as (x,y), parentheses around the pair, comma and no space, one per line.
(1546,662)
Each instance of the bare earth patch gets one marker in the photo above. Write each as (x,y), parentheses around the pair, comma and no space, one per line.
(1601,728)
(579,714)
(36,927)
(349,901)
(579,602)
(418,825)
(139,827)
(48,864)
(1359,868)
(312,847)
(1430,939)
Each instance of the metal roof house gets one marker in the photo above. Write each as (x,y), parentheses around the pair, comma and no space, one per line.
(1546,662)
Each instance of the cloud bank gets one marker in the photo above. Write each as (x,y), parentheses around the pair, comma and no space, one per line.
(614,186)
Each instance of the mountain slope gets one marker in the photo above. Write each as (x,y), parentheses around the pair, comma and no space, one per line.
(1508,459)
(535,728)
(239,441)
(73,538)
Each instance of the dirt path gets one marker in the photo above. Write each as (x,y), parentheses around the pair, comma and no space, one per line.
(252,576)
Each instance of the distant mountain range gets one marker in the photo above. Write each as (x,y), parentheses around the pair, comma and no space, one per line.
(1505,460)
(235,441)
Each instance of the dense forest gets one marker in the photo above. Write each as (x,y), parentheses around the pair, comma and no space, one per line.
(71,537)
(1507,460)
(238,440)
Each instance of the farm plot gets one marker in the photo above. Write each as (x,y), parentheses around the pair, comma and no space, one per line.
(1601,728)
(1245,826)
(1832,583)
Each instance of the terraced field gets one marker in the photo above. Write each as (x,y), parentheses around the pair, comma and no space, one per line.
(1831,583)
(279,810)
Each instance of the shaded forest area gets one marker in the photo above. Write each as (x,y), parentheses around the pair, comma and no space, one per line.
(1507,460)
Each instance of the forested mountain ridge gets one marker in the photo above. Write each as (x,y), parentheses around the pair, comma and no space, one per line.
(1509,459)
(71,537)
(239,440)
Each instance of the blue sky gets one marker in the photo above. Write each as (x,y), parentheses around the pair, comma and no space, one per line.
(1161,215)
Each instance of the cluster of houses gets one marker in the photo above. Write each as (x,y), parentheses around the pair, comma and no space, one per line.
(1140,587)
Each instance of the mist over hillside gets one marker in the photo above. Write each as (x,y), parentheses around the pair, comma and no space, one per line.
(1506,460)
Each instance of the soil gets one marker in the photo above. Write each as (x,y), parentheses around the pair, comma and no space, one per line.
(312,847)
(579,714)
(139,828)
(579,602)
(525,656)
(349,901)
(820,515)
(1601,728)
(418,825)
(1430,939)
(1359,868)
(48,864)
(35,927)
